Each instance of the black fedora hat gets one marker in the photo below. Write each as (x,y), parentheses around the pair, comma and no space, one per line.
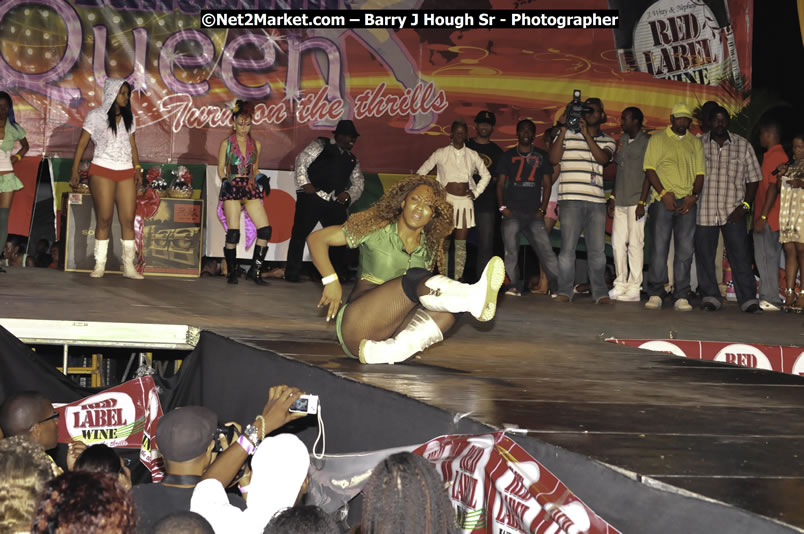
(346,128)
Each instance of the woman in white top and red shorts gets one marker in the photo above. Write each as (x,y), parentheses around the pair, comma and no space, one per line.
(114,173)
(455,165)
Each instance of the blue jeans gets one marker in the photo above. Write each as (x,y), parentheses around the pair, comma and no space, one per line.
(576,216)
(664,224)
(767,253)
(533,229)
(735,239)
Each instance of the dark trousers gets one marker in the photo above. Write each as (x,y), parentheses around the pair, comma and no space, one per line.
(738,251)
(488,234)
(310,210)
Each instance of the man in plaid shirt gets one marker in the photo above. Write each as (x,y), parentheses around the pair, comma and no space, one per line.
(732,177)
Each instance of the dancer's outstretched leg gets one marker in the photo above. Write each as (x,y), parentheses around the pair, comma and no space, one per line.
(440,293)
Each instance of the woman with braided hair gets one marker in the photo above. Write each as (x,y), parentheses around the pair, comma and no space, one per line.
(405,495)
(238,163)
(398,307)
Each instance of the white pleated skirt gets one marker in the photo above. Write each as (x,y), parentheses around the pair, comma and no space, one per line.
(463,211)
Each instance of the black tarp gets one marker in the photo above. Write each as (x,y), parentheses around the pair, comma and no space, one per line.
(233,380)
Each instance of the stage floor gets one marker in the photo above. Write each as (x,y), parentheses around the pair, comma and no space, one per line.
(724,432)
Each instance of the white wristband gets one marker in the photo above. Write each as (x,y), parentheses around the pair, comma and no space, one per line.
(329,279)
(503,208)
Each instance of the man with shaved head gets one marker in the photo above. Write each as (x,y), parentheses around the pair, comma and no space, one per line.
(30,414)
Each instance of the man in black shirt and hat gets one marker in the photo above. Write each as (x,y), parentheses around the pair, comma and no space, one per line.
(328,180)
(487,217)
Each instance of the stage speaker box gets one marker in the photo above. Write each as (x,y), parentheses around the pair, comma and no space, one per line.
(172,238)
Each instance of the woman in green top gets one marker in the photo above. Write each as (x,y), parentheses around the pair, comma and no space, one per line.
(398,307)
(10,133)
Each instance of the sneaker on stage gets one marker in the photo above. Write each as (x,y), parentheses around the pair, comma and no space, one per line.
(769,307)
(654,303)
(514,292)
(632,295)
(616,293)
(682,305)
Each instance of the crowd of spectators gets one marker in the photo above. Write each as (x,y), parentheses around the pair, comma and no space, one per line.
(254,482)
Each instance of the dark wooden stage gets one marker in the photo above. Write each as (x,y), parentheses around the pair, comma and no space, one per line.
(731,434)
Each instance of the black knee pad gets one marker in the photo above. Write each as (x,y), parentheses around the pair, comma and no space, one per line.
(264,233)
(411,281)
(233,237)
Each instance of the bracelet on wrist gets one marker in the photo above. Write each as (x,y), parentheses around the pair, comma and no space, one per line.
(663,193)
(247,445)
(329,279)
(503,208)
(542,211)
(642,203)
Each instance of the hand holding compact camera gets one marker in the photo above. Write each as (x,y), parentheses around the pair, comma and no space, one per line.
(306,404)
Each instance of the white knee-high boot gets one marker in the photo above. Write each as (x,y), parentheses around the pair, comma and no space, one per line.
(420,333)
(129,271)
(101,249)
(479,299)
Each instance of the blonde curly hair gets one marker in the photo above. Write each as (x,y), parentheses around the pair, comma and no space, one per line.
(388,209)
(24,471)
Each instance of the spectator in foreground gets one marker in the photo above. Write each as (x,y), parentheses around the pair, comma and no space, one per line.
(90,503)
(302,520)
(185,522)
(405,495)
(104,459)
(25,468)
(31,415)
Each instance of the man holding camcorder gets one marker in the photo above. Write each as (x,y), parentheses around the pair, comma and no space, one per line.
(582,150)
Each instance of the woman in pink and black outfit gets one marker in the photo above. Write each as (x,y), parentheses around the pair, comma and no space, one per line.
(238,163)
(114,172)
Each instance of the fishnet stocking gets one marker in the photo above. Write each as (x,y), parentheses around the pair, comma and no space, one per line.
(383,311)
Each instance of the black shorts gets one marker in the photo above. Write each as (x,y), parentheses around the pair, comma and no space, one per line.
(241,190)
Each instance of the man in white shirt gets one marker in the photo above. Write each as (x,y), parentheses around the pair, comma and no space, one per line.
(455,165)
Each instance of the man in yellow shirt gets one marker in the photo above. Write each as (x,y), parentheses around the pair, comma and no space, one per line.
(675,165)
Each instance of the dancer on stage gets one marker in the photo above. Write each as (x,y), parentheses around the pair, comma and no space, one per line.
(398,307)
(238,162)
(455,164)
(114,172)
(10,133)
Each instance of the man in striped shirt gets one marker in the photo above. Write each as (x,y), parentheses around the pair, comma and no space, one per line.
(581,198)
(732,177)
